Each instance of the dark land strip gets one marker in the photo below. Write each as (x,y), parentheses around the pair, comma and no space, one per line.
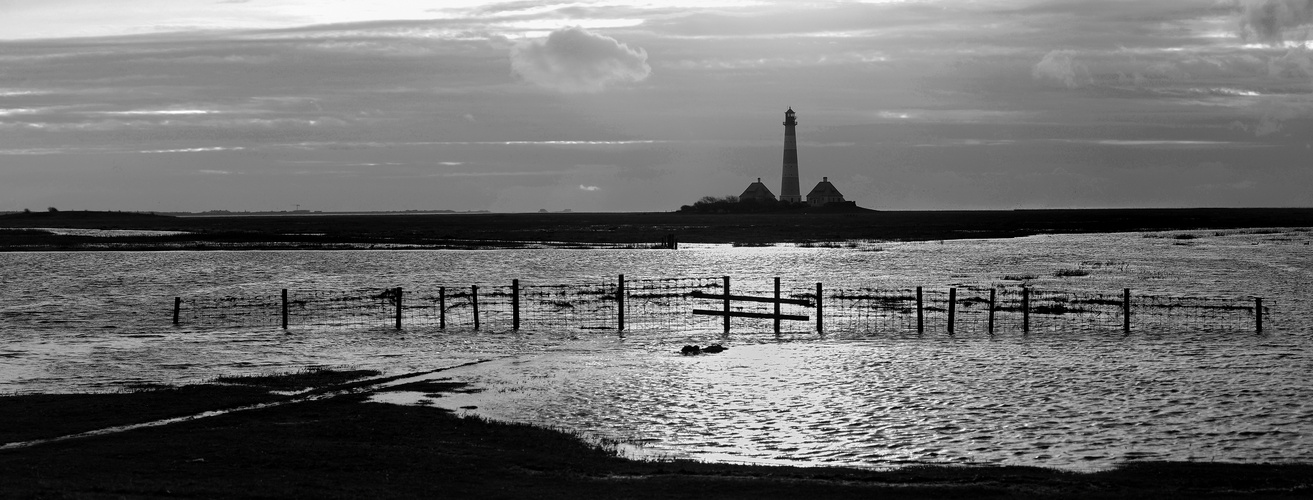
(343,447)
(48,416)
(637,230)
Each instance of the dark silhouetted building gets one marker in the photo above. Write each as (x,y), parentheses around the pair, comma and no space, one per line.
(757,191)
(823,193)
(789,182)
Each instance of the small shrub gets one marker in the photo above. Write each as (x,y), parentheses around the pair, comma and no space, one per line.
(1185,236)
(1020,277)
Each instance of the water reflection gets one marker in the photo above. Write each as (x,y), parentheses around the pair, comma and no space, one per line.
(1069,402)
(1080,399)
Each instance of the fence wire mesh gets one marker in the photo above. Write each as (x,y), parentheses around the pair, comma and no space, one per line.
(698,304)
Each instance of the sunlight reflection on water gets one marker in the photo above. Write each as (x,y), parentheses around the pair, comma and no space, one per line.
(99,321)
(1074,402)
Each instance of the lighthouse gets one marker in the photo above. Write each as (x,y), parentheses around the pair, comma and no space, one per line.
(789,181)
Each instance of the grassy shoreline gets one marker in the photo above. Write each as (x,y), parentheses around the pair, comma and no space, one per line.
(340,446)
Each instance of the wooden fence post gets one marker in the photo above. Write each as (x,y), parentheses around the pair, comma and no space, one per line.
(920,312)
(398,297)
(177,309)
(1025,310)
(442,308)
(777,305)
(726,305)
(991,310)
(284,308)
(820,310)
(620,303)
(1126,310)
(1258,314)
(952,308)
(515,305)
(474,301)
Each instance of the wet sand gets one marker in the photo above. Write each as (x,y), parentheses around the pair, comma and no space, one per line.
(327,442)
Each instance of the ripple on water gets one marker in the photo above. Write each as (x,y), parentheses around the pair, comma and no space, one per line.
(1079,398)
(963,407)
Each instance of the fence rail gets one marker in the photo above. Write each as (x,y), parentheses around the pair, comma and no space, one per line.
(706,304)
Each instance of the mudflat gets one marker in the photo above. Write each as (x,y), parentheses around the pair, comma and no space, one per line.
(328,442)
(484,230)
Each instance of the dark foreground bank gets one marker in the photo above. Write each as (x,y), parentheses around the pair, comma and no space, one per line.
(338,446)
(30,231)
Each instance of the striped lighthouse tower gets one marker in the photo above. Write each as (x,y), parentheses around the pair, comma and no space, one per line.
(789,183)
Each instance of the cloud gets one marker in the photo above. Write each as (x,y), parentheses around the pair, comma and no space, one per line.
(589,188)
(17,111)
(1268,20)
(575,60)
(1166,144)
(952,115)
(249,125)
(1268,125)
(535,173)
(160,112)
(1296,63)
(1277,112)
(1061,65)
(193,150)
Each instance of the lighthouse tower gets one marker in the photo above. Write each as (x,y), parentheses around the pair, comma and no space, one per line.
(789,183)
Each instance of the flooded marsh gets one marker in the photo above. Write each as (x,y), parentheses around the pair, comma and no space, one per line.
(1080,397)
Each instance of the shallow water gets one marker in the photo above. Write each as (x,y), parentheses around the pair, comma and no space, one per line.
(1075,399)
(1075,402)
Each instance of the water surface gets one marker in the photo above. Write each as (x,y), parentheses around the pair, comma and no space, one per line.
(1075,398)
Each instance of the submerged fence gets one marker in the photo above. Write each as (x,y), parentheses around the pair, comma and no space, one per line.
(712,304)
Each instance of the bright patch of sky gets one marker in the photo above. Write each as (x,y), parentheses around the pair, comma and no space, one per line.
(97,18)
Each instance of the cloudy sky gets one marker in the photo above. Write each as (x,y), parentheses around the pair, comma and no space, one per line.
(631,105)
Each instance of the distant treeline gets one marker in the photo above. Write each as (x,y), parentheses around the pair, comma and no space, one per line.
(733,205)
